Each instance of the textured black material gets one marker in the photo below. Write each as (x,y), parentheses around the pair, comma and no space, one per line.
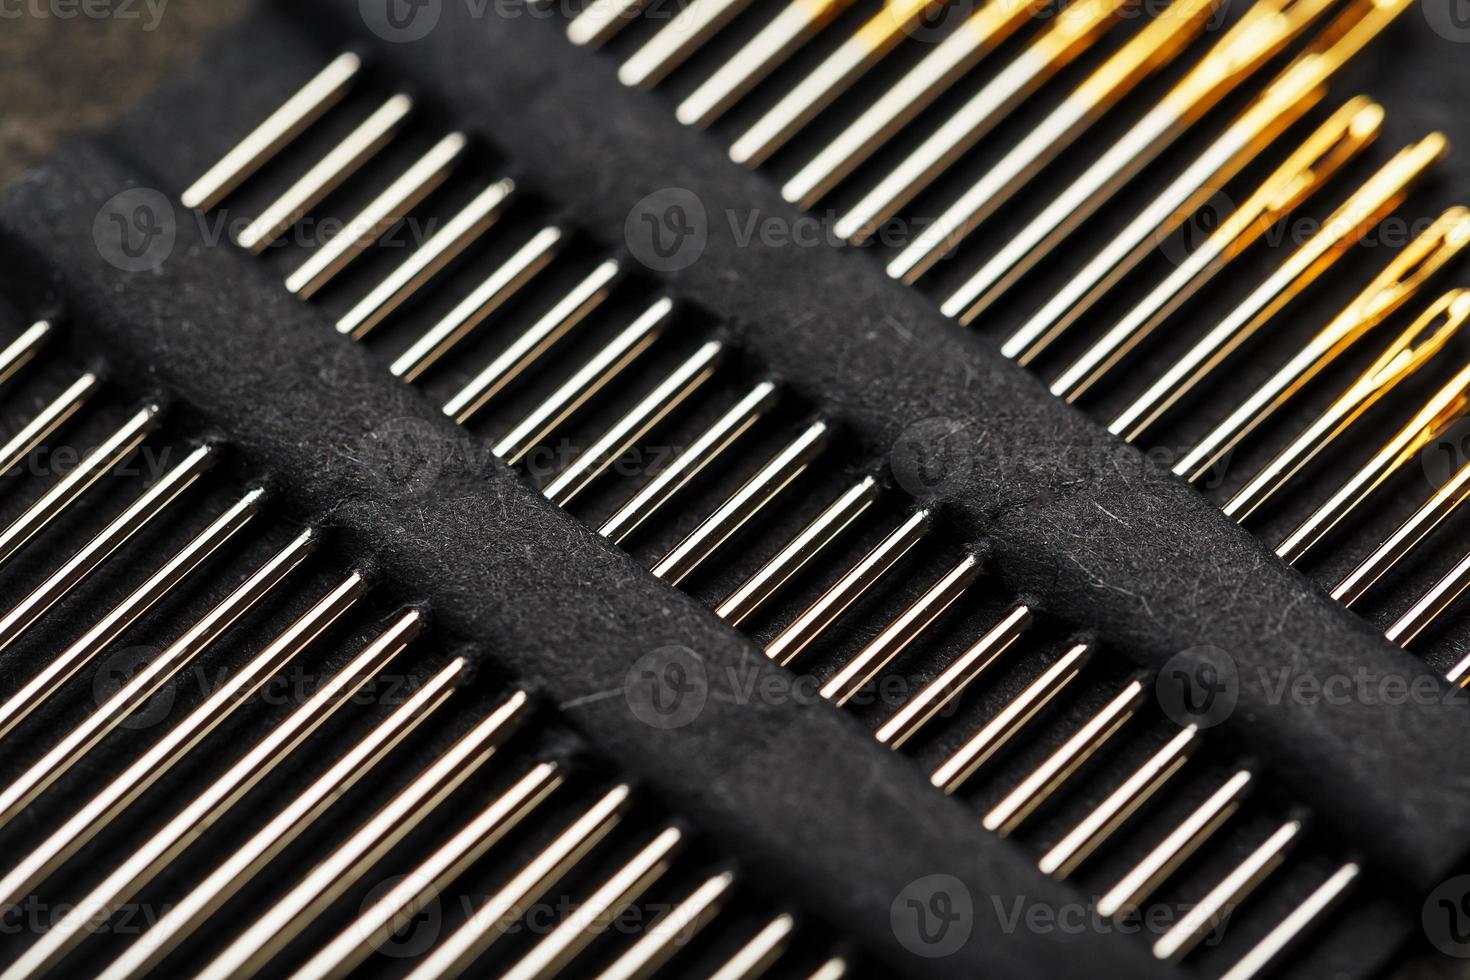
(553,603)
(1100,532)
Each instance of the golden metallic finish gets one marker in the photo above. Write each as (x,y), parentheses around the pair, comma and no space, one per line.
(1405,275)
(897,635)
(401,903)
(1410,351)
(1147,52)
(1104,820)
(1340,139)
(503,909)
(185,916)
(1220,901)
(1057,768)
(939,693)
(1374,201)
(970,757)
(1446,405)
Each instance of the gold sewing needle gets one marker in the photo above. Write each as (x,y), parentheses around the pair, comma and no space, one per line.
(1347,133)
(1169,855)
(897,635)
(530,346)
(939,693)
(1431,605)
(669,934)
(1410,351)
(650,410)
(1286,99)
(551,956)
(39,689)
(760,954)
(1147,52)
(1256,38)
(797,553)
(96,552)
(1384,192)
(854,583)
(709,446)
(246,862)
(1104,820)
(145,682)
(202,812)
(1013,809)
(361,938)
(506,281)
(1306,914)
(824,83)
(413,273)
(753,496)
(694,25)
(327,174)
(600,370)
(77,481)
(52,417)
(1075,29)
(930,78)
(1405,538)
(1384,296)
(108,803)
(23,349)
(273,135)
(1018,712)
(1446,405)
(785,34)
(1220,902)
(503,909)
(364,847)
(420,180)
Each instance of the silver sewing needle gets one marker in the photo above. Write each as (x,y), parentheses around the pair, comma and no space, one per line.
(576,391)
(420,180)
(470,312)
(428,260)
(345,865)
(753,496)
(526,887)
(695,24)
(601,20)
(1306,914)
(796,554)
(707,447)
(671,933)
(326,175)
(296,817)
(760,953)
(635,424)
(805,629)
(52,417)
(530,346)
(23,349)
(930,78)
(99,811)
(144,862)
(1072,32)
(35,692)
(1431,605)
(273,135)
